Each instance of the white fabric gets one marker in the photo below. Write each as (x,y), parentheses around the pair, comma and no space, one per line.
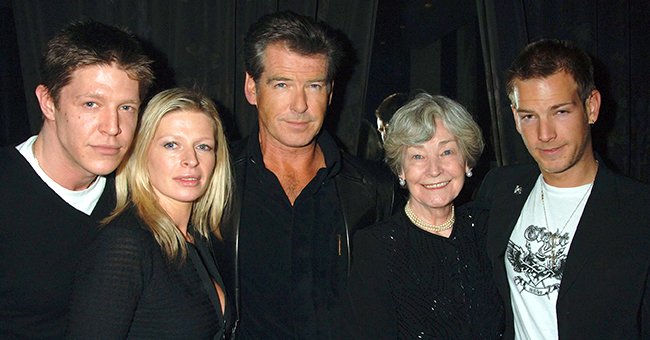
(82,200)
(533,265)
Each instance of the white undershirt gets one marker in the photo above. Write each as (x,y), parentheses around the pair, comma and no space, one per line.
(82,200)
(534,267)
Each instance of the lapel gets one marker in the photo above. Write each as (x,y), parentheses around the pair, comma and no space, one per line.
(594,228)
(508,194)
(506,209)
(354,202)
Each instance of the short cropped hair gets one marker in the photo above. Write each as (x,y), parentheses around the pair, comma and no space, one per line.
(546,57)
(415,124)
(93,43)
(134,188)
(300,34)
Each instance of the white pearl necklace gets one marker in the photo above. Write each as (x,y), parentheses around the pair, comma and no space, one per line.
(422,224)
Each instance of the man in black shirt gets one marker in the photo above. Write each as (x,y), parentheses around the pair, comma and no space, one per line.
(285,249)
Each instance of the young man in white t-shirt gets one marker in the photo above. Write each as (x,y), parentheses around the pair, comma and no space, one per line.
(569,240)
(55,190)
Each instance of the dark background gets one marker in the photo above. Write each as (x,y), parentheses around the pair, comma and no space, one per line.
(457,48)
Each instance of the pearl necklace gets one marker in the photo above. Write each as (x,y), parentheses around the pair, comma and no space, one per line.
(432,228)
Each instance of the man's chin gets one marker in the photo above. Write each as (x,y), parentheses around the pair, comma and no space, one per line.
(102,168)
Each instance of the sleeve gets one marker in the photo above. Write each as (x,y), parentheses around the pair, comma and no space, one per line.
(371,305)
(107,286)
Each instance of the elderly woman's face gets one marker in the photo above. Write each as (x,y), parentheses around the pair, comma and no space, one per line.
(434,171)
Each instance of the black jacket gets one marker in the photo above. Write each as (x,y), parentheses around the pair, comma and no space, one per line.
(605,289)
(366,194)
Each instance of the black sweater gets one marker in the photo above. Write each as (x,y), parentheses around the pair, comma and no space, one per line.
(407,283)
(126,288)
(41,240)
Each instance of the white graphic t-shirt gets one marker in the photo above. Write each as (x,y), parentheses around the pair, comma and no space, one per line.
(536,254)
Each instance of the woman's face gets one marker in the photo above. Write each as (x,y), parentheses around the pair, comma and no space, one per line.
(181,157)
(434,171)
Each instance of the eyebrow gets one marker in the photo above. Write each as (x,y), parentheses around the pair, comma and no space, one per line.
(280,78)
(447,141)
(101,96)
(554,107)
(442,142)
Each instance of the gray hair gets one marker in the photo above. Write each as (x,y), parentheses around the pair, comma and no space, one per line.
(414,124)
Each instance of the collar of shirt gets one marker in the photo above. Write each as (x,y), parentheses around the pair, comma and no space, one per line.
(324,140)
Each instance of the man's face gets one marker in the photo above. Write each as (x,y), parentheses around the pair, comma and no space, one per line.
(94,120)
(553,123)
(291,96)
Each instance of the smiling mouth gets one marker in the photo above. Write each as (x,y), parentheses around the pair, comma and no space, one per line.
(436,185)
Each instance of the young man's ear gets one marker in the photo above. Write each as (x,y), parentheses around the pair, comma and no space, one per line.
(516,118)
(45,101)
(592,106)
(250,89)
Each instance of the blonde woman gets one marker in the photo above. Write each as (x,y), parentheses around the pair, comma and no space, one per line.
(151,272)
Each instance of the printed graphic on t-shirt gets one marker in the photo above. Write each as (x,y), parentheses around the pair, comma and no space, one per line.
(539,262)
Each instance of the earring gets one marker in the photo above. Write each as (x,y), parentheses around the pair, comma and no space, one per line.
(469,173)
(402,182)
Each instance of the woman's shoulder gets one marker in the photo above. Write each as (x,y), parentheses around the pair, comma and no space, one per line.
(126,228)
(382,231)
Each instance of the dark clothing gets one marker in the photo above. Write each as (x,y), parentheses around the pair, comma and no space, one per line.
(407,283)
(303,250)
(127,288)
(41,241)
(301,240)
(605,288)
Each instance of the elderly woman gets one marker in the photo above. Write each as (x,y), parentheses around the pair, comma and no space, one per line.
(151,272)
(423,273)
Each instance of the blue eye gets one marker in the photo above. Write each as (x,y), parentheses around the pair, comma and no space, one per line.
(447,152)
(169,145)
(128,108)
(204,147)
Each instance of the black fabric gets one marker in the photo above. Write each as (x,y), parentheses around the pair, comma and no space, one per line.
(605,288)
(127,288)
(41,243)
(621,61)
(407,283)
(365,194)
(195,43)
(290,253)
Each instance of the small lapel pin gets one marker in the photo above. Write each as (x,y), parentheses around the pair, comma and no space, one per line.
(518,190)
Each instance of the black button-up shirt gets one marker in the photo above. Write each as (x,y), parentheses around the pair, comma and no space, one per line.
(290,256)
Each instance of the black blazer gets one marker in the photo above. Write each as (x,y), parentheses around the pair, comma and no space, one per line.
(605,289)
(366,192)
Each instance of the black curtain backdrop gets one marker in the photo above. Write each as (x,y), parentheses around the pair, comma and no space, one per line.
(614,33)
(435,46)
(197,43)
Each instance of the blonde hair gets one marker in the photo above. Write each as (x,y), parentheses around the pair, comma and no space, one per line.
(133,187)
